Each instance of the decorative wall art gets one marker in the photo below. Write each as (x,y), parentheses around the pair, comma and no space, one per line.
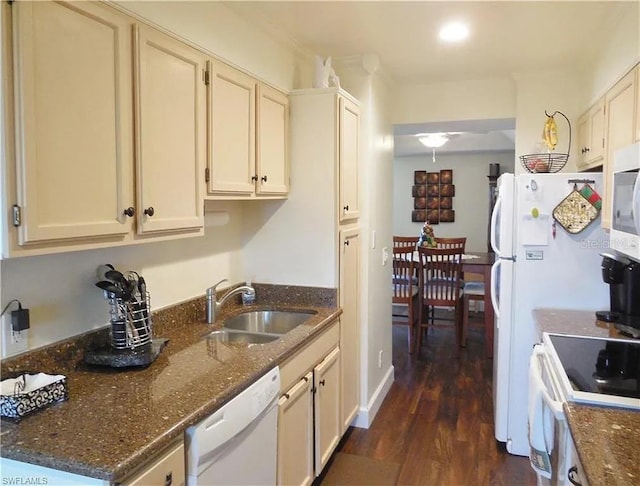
(433,194)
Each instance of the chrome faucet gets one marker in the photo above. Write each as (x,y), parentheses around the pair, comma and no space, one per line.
(213,306)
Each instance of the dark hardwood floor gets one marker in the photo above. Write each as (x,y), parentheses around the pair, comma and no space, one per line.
(437,420)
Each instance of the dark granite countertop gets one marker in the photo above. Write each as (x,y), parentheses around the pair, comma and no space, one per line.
(606,439)
(117,420)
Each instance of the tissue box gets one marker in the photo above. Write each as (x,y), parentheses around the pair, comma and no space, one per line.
(29,393)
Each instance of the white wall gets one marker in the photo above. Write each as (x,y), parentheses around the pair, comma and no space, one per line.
(538,91)
(471,201)
(452,101)
(620,50)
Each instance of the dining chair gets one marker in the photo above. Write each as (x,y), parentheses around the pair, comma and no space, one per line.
(408,241)
(441,272)
(472,290)
(406,289)
(456,243)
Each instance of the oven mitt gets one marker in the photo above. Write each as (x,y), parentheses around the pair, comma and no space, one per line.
(592,196)
(575,212)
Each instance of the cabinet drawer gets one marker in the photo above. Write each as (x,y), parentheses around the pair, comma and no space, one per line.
(298,365)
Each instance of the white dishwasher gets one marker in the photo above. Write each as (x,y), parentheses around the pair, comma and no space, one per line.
(238,443)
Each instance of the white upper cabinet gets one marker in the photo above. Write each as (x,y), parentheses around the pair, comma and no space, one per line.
(232,151)
(171,132)
(88,90)
(349,140)
(272,155)
(73,121)
(248,136)
(591,137)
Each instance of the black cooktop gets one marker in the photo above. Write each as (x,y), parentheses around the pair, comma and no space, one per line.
(602,366)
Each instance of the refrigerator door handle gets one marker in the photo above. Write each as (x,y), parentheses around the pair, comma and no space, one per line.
(494,226)
(494,289)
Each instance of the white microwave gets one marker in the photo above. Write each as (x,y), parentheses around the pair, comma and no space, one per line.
(625,202)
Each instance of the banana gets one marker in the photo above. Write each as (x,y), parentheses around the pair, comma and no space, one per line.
(550,133)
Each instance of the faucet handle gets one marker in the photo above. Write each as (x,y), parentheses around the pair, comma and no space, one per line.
(211,290)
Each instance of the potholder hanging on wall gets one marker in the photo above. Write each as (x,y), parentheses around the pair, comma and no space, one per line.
(575,212)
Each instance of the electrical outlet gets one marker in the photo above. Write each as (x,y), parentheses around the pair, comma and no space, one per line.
(385,256)
(380,359)
(13,342)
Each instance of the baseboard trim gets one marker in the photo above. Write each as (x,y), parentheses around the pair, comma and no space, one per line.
(365,416)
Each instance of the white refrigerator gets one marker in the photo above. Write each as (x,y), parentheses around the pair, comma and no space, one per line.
(538,264)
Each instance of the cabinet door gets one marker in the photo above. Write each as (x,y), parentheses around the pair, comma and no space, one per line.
(167,470)
(73,119)
(349,324)
(232,105)
(272,157)
(171,130)
(583,141)
(295,434)
(326,376)
(349,122)
(620,131)
(596,134)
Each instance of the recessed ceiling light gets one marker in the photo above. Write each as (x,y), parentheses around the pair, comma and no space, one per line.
(454,32)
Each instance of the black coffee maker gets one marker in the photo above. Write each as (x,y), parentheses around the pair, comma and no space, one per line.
(623,277)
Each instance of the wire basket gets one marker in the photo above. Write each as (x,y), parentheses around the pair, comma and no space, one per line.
(548,162)
(130,322)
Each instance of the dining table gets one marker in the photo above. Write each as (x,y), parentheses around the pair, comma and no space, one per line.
(481,263)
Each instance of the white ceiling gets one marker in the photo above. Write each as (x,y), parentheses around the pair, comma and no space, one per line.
(506,37)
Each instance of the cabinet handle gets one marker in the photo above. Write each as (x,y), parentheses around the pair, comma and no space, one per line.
(130,211)
(322,382)
(254,178)
(150,211)
(263,178)
(346,242)
(587,150)
(346,208)
(305,378)
(168,479)
(287,396)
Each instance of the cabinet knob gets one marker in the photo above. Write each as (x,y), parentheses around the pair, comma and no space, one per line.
(150,211)
(346,242)
(322,382)
(346,208)
(263,178)
(130,211)
(254,178)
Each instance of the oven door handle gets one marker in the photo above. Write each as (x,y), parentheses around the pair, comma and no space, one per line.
(554,405)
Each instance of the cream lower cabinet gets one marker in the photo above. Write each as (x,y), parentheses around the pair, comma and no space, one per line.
(328,430)
(309,409)
(74,129)
(167,470)
(349,324)
(295,436)
(248,136)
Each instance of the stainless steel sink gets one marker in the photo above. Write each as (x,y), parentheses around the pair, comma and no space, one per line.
(233,336)
(268,321)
